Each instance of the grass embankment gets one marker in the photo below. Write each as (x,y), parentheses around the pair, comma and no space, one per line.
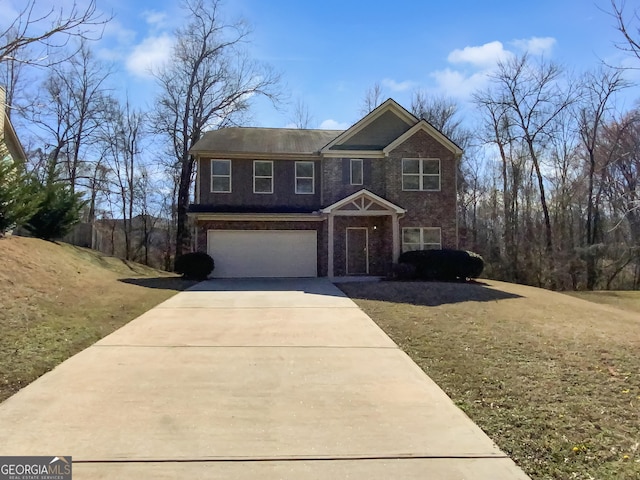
(624,299)
(57,299)
(554,380)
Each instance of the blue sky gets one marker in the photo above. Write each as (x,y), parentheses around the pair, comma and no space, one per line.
(330,52)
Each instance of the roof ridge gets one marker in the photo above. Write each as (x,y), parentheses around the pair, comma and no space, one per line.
(280,128)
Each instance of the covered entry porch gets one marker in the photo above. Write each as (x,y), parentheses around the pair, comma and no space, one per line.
(363,235)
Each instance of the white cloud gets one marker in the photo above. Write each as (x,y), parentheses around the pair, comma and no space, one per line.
(331,124)
(453,83)
(483,56)
(535,45)
(154,18)
(397,86)
(115,30)
(117,40)
(151,53)
(474,64)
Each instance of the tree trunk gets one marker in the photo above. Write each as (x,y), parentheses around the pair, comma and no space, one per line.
(183,237)
(545,212)
(590,227)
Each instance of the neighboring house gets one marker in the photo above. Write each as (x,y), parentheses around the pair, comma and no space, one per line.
(304,203)
(10,147)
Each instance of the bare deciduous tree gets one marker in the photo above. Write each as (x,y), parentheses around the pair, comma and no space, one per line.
(69,111)
(534,97)
(11,71)
(122,133)
(372,98)
(49,30)
(301,117)
(598,87)
(628,24)
(443,113)
(207,84)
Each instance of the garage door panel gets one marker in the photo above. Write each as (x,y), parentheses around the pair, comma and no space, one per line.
(263,253)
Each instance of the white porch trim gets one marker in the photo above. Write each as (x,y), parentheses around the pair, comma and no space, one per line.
(363,204)
(364,195)
(259,217)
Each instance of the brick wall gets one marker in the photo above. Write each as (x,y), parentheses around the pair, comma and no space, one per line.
(383,176)
(425,209)
(242,186)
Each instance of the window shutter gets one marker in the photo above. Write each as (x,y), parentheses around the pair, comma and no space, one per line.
(346,171)
(366,172)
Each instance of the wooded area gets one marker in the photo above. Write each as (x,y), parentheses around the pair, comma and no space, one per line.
(548,187)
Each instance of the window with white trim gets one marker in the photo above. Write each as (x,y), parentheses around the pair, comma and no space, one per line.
(421,174)
(221,176)
(421,238)
(305,177)
(262,176)
(356,171)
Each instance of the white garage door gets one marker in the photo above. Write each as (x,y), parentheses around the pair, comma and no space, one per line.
(263,253)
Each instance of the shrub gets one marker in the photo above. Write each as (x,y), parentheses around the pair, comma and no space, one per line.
(403,271)
(194,266)
(445,265)
(18,196)
(58,211)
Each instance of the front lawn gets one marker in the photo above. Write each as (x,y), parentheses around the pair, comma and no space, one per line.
(554,380)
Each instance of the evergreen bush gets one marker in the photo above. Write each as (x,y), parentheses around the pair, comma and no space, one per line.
(444,265)
(58,211)
(194,266)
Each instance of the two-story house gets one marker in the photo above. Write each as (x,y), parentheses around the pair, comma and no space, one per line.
(303,203)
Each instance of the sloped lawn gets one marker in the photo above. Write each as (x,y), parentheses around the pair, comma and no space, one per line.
(57,299)
(554,380)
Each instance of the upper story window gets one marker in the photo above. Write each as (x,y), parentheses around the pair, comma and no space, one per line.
(422,238)
(305,177)
(262,176)
(221,176)
(356,171)
(421,174)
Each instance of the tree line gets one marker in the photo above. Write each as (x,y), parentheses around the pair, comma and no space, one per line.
(129,164)
(548,186)
(556,202)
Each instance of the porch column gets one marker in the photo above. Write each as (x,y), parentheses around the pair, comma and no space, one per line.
(330,247)
(395,226)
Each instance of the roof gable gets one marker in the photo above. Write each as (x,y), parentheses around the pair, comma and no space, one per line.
(424,126)
(376,130)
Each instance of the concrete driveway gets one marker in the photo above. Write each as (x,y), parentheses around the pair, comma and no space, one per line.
(249,379)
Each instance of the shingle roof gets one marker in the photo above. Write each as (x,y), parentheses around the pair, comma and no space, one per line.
(264,140)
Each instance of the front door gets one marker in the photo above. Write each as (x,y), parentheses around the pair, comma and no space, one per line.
(357,251)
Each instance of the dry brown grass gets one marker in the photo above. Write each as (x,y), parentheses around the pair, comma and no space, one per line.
(554,380)
(624,299)
(57,299)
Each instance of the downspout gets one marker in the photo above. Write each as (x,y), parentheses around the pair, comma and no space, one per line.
(196,200)
(457,159)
